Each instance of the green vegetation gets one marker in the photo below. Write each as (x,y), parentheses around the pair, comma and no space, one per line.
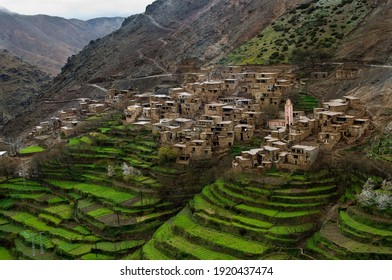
(31,150)
(306,103)
(231,218)
(167,154)
(5,254)
(314,28)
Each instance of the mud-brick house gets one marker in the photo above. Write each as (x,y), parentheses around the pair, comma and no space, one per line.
(169,109)
(228,72)
(163,125)
(212,90)
(169,134)
(193,150)
(356,130)
(244,132)
(115,96)
(276,124)
(132,113)
(248,77)
(298,157)
(347,73)
(231,85)
(232,113)
(189,104)
(183,123)
(252,118)
(268,75)
(214,109)
(262,85)
(248,160)
(267,98)
(263,158)
(336,105)
(223,137)
(329,138)
(68,114)
(66,131)
(158,99)
(327,118)
(302,128)
(96,108)
(355,106)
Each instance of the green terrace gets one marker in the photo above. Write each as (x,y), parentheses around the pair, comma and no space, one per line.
(31,150)
(241,220)
(97,191)
(75,220)
(356,235)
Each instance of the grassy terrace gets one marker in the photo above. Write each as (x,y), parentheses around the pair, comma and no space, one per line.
(5,254)
(230,217)
(356,235)
(180,248)
(220,240)
(31,150)
(100,192)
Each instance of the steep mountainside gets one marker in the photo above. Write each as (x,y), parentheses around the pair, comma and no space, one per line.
(19,82)
(371,42)
(172,35)
(354,29)
(48,41)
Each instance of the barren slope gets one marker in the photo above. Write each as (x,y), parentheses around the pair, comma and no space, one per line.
(48,41)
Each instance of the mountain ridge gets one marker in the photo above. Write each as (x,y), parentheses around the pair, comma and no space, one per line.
(47,41)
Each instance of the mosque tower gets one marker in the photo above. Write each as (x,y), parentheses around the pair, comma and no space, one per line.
(288,113)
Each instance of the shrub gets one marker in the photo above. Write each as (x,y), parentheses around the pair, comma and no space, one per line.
(167,154)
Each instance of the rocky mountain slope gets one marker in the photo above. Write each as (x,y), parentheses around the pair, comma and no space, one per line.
(353,30)
(48,41)
(371,41)
(19,82)
(171,36)
(175,36)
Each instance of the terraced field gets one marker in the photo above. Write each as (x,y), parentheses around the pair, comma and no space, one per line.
(76,210)
(249,220)
(356,234)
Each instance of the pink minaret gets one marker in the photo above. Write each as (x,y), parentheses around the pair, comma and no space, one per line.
(288,113)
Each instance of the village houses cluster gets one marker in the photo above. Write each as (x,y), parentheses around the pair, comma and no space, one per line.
(204,119)
(65,121)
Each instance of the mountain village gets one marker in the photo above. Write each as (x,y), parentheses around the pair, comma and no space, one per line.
(205,118)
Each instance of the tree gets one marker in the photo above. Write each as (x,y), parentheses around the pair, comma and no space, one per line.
(382,201)
(367,195)
(167,154)
(8,167)
(111,171)
(310,57)
(130,170)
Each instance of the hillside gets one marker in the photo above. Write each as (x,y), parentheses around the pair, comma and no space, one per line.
(19,83)
(47,41)
(371,41)
(321,25)
(171,36)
